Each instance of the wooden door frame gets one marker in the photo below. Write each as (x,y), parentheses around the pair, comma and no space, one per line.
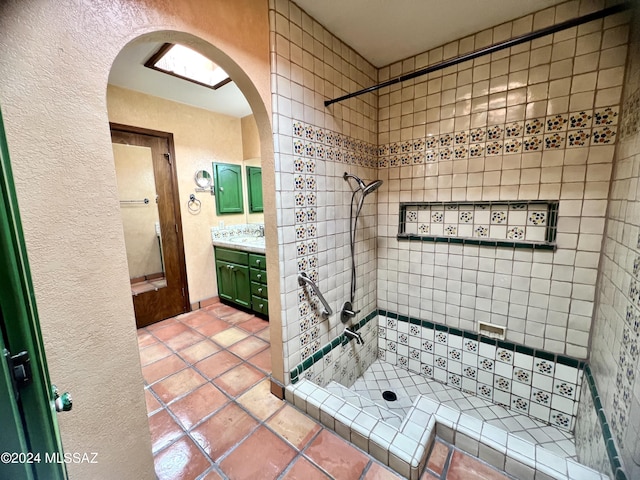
(168,136)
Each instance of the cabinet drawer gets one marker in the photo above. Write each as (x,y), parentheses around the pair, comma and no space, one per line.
(259,290)
(257,261)
(260,305)
(258,276)
(234,256)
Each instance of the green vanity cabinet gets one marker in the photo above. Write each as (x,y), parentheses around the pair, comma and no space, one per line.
(227,187)
(232,271)
(254,187)
(242,279)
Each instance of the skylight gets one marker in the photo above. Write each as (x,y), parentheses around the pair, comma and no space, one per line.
(182,62)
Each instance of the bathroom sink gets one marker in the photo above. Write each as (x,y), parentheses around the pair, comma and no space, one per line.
(249,239)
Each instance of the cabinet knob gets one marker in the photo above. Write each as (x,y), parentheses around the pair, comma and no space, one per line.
(261,306)
(257,262)
(231,267)
(260,290)
(259,276)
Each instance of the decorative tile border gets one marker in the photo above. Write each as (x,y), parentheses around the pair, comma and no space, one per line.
(540,384)
(531,224)
(248,229)
(569,130)
(325,351)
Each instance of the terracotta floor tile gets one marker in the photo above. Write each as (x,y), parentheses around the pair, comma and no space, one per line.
(212,475)
(466,467)
(182,460)
(170,331)
(341,460)
(196,319)
(262,360)
(238,317)
(217,364)
(184,340)
(221,310)
(248,347)
(154,353)
(198,404)
(254,324)
(260,402)
(239,379)
(223,430)
(304,469)
(145,339)
(378,472)
(199,351)
(265,334)
(438,457)
(229,336)
(263,455)
(178,384)
(213,327)
(161,324)
(294,426)
(162,368)
(164,430)
(152,402)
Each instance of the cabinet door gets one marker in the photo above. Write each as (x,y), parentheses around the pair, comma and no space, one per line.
(242,285)
(228,188)
(226,281)
(254,185)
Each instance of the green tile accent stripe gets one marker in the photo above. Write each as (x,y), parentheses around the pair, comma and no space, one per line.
(612,452)
(308,362)
(477,241)
(514,347)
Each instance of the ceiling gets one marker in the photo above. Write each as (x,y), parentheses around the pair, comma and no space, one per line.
(385,31)
(382,31)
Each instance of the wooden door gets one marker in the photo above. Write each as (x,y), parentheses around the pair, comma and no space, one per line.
(149,203)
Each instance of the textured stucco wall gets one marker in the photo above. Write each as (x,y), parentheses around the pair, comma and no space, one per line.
(54,68)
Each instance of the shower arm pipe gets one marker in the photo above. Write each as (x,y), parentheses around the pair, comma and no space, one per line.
(527,37)
(303,279)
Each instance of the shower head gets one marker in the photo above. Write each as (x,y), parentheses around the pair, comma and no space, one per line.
(371,187)
(366,189)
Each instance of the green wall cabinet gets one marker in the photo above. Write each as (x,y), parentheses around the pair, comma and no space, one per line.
(242,279)
(228,188)
(254,187)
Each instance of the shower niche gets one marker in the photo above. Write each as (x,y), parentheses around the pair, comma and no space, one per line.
(516,224)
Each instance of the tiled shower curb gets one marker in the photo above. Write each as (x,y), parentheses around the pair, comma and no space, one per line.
(614,458)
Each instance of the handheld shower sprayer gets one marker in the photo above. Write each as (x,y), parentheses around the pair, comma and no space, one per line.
(364,189)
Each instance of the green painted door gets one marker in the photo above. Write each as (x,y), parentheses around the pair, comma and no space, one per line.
(28,425)
(242,284)
(254,185)
(228,188)
(226,287)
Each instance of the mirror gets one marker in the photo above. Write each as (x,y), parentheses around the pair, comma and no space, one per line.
(203,179)
(140,218)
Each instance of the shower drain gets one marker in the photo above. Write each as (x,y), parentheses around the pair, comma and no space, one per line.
(389,396)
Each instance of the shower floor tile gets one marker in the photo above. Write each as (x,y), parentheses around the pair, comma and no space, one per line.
(381,376)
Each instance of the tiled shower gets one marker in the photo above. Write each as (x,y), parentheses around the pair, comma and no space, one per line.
(525,137)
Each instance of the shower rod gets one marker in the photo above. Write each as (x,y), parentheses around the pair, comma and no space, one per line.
(527,37)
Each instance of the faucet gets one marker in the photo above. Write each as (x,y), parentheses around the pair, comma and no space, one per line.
(351,335)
